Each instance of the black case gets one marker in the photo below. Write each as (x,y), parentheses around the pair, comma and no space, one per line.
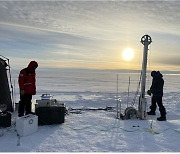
(5,119)
(50,115)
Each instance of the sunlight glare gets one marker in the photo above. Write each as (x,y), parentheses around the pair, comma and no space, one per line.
(128,54)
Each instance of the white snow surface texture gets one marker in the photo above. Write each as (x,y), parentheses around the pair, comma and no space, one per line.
(98,131)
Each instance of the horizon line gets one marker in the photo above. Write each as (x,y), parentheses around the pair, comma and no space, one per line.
(103,70)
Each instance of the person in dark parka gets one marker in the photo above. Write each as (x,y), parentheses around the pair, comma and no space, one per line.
(27,86)
(156,90)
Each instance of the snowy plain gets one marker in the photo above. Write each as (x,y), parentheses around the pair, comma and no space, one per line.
(99,131)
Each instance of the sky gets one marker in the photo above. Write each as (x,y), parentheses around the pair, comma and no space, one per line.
(90,34)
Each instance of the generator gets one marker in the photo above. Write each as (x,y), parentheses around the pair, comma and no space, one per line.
(5,119)
(27,124)
(50,115)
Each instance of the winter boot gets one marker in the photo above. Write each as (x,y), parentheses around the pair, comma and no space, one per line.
(161,118)
(151,113)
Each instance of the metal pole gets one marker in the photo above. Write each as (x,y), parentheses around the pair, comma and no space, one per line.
(128,91)
(144,66)
(119,108)
(145,40)
(117,103)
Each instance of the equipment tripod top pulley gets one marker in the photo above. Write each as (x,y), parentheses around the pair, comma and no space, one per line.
(146,39)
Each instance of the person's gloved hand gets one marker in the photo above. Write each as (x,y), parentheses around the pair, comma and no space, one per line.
(22,92)
(34,93)
(149,92)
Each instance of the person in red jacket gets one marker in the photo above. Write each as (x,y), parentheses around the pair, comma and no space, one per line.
(27,87)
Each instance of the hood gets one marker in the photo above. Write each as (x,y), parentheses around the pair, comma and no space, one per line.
(153,73)
(32,64)
(159,74)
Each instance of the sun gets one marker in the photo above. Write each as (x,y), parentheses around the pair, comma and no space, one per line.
(128,54)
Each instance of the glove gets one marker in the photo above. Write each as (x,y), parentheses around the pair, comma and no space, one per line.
(34,93)
(22,92)
(149,92)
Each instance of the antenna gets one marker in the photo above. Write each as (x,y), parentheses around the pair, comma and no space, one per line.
(128,91)
(117,101)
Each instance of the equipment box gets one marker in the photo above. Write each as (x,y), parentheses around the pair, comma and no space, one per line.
(50,115)
(45,103)
(27,124)
(5,119)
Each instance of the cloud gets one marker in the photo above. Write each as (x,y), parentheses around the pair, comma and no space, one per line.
(171,60)
(94,19)
(84,30)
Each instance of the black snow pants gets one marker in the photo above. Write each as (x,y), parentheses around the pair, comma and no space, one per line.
(24,104)
(158,100)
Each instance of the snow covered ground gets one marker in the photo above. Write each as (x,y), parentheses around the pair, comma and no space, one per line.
(99,131)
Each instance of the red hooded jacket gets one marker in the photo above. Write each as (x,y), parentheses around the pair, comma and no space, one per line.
(27,80)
